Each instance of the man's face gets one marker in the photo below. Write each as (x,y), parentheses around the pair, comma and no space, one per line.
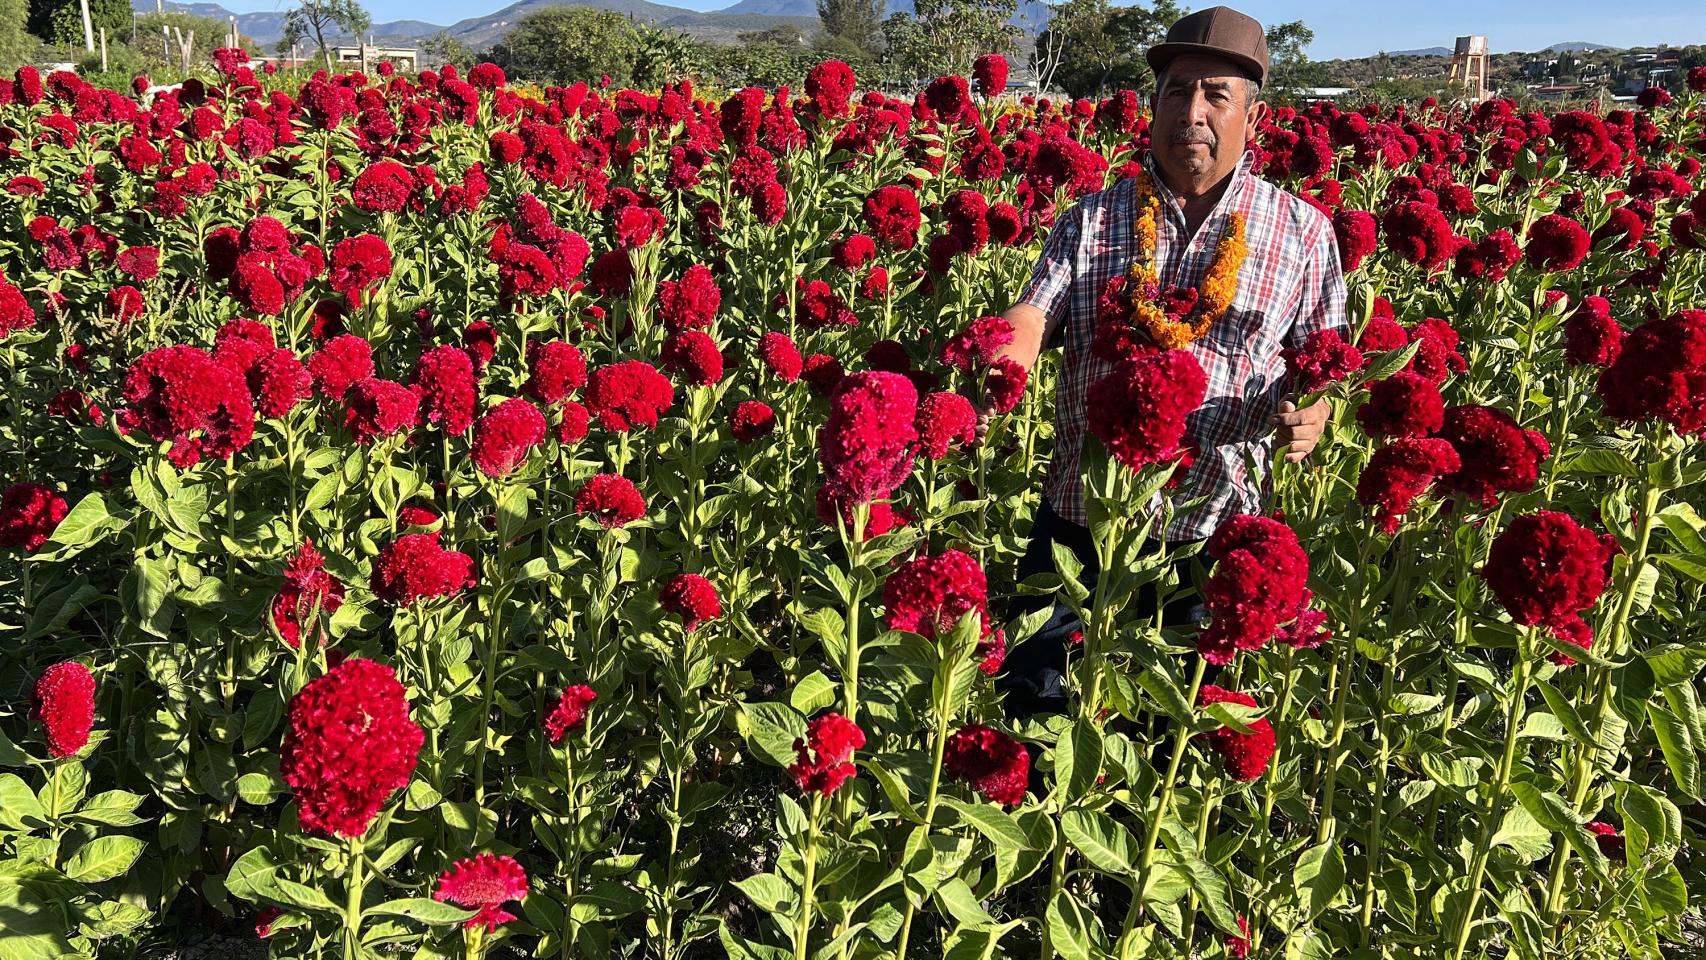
(1204,115)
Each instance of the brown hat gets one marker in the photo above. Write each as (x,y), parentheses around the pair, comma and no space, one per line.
(1218,32)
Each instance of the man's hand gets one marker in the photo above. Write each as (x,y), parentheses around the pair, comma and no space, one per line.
(1300,429)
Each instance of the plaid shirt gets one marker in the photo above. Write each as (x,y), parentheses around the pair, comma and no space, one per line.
(1290,285)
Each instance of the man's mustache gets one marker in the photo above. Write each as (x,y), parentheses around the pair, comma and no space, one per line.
(1194,135)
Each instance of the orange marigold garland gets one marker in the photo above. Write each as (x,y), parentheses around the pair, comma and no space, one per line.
(1210,302)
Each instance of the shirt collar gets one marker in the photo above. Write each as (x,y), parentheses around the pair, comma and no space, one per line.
(1241,176)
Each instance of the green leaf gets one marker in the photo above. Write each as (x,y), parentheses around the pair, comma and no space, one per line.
(1524,834)
(1166,694)
(772,729)
(1664,892)
(1566,714)
(19,808)
(421,909)
(1319,875)
(999,826)
(813,693)
(1678,745)
(83,525)
(1107,844)
(1077,761)
(962,904)
(768,892)
(104,858)
(65,789)
(259,789)
(1066,926)
(1673,663)
(1214,892)
(12,755)
(304,896)
(254,876)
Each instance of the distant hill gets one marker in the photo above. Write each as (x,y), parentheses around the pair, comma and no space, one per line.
(1423,52)
(1577,46)
(1031,13)
(480,33)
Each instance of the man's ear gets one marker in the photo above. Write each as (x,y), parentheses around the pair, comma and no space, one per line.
(1254,116)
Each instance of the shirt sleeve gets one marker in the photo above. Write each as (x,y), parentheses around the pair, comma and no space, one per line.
(1322,304)
(1050,286)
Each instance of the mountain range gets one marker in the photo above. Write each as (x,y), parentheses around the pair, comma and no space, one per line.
(723,25)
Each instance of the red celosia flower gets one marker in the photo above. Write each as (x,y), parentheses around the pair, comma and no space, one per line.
(826,754)
(1244,756)
(977,346)
(485,882)
(1259,583)
(928,596)
(556,369)
(569,713)
(818,305)
(1400,472)
(990,73)
(1357,235)
(125,303)
(384,187)
(1418,232)
(944,418)
(15,310)
(830,85)
(358,263)
(1004,384)
(691,302)
(853,251)
(628,394)
(181,394)
(350,743)
(265,919)
(997,766)
(1610,842)
(612,275)
(572,420)
(752,420)
(1591,334)
(780,356)
(1546,569)
(693,356)
(692,598)
(65,705)
(444,378)
(1489,258)
(948,97)
(1138,410)
(1556,242)
(1660,372)
(417,567)
(1324,358)
(1405,404)
(376,408)
(612,500)
(893,216)
(504,434)
(1497,455)
(867,444)
(823,373)
(1238,944)
(29,513)
(308,591)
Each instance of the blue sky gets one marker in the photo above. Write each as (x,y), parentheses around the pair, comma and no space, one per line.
(1343,28)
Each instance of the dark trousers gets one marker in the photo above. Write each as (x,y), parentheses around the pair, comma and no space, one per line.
(1032,678)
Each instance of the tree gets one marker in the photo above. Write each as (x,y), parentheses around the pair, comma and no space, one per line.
(561,45)
(16,45)
(445,48)
(61,21)
(945,36)
(1094,47)
(662,55)
(1289,69)
(857,22)
(318,19)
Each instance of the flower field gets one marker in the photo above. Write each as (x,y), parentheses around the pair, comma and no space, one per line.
(451,518)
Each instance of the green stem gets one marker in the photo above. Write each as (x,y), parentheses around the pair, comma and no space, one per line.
(1495,797)
(1152,837)
(1581,780)
(1210,801)
(352,904)
(941,709)
(570,926)
(1341,694)
(803,924)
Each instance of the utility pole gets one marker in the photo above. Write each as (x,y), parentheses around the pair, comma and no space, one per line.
(103,49)
(88,28)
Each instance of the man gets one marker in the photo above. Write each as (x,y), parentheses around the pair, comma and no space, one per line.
(1206,110)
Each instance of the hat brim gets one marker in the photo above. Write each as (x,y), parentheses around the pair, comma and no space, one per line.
(1161,54)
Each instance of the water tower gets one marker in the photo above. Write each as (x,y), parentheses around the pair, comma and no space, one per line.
(1469,64)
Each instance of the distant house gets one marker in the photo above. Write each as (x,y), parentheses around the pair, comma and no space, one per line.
(1558,92)
(1323,94)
